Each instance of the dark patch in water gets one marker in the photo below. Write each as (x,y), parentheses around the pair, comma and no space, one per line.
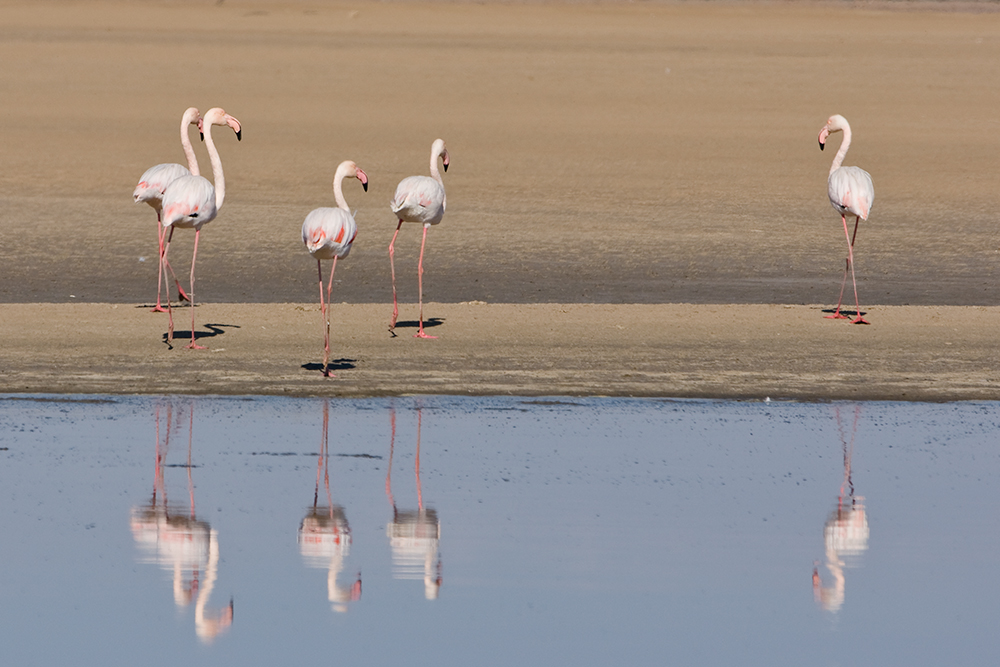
(45,399)
(569,403)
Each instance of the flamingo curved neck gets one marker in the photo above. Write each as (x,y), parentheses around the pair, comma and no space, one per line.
(188,150)
(338,189)
(217,175)
(435,174)
(838,159)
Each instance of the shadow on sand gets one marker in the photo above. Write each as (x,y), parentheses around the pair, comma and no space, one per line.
(215,330)
(335,365)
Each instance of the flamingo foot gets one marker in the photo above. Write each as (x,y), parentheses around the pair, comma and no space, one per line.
(195,346)
(836,316)
(157,309)
(421,334)
(860,320)
(328,374)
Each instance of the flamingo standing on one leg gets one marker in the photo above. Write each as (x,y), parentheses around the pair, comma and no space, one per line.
(328,234)
(851,191)
(150,190)
(419,199)
(192,202)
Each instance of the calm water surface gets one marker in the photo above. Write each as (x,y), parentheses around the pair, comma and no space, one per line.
(497,531)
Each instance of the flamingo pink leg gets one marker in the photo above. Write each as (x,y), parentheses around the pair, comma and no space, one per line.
(392,267)
(193,345)
(160,231)
(170,311)
(326,318)
(181,294)
(843,283)
(420,281)
(850,258)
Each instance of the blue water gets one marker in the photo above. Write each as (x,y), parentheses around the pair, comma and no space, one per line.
(538,531)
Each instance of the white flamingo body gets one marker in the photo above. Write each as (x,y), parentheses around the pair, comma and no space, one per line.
(154,182)
(851,192)
(419,199)
(191,201)
(328,234)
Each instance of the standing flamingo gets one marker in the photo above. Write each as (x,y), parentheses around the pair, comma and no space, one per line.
(419,199)
(192,202)
(328,234)
(150,189)
(851,191)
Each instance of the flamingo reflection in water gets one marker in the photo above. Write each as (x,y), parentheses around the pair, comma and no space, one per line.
(176,540)
(413,534)
(324,534)
(846,531)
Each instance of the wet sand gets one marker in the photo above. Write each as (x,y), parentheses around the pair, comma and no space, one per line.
(602,155)
(730,351)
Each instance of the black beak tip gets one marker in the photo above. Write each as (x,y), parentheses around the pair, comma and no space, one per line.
(201,135)
(445,166)
(365,186)
(239,135)
(822,145)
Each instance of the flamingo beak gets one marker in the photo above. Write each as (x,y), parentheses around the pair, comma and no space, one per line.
(201,128)
(444,160)
(823,134)
(237,128)
(363,177)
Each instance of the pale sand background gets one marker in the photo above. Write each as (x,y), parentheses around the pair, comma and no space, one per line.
(611,153)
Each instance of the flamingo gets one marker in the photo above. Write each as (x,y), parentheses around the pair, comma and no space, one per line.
(419,199)
(414,535)
(192,202)
(155,180)
(851,192)
(328,234)
(324,534)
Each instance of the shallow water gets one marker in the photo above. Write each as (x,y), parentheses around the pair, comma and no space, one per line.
(493,531)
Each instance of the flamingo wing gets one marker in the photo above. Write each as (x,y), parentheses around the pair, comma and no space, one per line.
(851,191)
(419,199)
(155,180)
(329,232)
(189,202)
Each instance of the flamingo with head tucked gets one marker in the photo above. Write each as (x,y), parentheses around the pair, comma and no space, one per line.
(328,234)
(419,199)
(192,201)
(851,192)
(150,189)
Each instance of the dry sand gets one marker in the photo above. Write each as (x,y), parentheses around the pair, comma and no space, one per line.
(621,157)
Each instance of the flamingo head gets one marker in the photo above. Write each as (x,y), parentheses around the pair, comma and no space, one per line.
(218,116)
(351,170)
(438,149)
(836,123)
(192,117)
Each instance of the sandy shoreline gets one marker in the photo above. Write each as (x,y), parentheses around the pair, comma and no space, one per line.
(672,350)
